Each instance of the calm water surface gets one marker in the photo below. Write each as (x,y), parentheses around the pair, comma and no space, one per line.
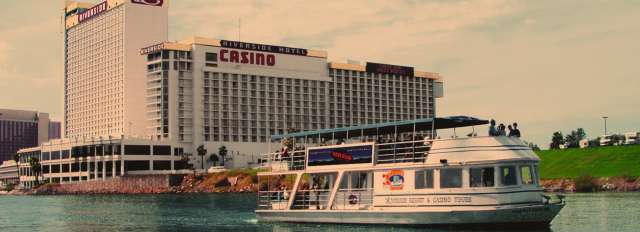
(227,212)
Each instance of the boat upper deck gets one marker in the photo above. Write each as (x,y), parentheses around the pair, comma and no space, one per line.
(390,144)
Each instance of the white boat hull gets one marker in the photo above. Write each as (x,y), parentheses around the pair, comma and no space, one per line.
(527,215)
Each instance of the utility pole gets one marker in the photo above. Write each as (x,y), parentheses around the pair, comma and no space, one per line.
(605,124)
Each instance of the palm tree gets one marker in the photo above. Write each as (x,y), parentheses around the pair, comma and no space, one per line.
(16,157)
(222,151)
(35,167)
(201,152)
(214,159)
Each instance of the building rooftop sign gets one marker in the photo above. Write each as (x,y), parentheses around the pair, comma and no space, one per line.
(389,69)
(263,48)
(93,11)
(148,2)
(152,49)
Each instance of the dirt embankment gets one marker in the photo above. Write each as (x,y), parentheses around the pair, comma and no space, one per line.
(591,184)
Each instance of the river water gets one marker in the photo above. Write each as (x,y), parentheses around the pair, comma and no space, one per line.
(234,212)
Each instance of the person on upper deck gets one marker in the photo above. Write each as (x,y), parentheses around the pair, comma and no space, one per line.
(492,128)
(502,130)
(515,131)
(510,130)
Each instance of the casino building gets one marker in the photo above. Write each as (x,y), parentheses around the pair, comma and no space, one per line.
(213,92)
(102,66)
(138,104)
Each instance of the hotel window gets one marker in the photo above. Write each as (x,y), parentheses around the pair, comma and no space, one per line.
(481,177)
(451,178)
(508,175)
(526,174)
(424,179)
(211,57)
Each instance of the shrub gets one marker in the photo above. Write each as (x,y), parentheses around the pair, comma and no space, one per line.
(8,187)
(586,183)
(628,178)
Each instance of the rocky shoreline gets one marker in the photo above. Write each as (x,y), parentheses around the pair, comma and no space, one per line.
(591,184)
(222,182)
(246,182)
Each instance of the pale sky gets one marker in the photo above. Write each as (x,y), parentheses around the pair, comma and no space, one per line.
(548,65)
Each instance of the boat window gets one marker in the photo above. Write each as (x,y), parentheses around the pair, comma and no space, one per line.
(424,179)
(526,175)
(508,175)
(357,180)
(481,177)
(451,178)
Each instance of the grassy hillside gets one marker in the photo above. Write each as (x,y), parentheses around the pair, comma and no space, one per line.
(597,162)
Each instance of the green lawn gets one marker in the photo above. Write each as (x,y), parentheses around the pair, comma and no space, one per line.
(597,162)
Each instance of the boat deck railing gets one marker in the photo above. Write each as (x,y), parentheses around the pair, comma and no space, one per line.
(353,199)
(311,199)
(400,152)
(291,161)
(414,151)
(273,199)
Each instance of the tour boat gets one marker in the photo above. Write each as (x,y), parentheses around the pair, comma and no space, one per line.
(401,173)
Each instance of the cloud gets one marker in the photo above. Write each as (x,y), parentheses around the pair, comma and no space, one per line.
(345,29)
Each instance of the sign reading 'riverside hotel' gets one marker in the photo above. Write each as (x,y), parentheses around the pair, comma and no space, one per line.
(263,48)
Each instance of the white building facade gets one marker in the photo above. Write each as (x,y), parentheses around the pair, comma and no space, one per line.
(103,69)
(217,93)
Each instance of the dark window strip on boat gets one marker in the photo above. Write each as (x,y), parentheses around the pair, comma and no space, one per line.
(504,204)
(449,148)
(444,152)
(431,194)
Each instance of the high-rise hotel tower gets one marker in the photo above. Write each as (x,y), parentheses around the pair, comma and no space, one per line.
(104,73)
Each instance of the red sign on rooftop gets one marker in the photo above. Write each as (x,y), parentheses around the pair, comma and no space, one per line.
(148,2)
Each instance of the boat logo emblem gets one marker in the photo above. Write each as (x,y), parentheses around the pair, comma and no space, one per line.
(353,199)
(393,179)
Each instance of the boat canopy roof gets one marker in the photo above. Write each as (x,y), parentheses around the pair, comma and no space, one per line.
(423,124)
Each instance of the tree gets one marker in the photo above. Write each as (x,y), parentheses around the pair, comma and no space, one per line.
(35,167)
(556,140)
(222,151)
(16,157)
(201,152)
(573,139)
(580,134)
(214,159)
(531,145)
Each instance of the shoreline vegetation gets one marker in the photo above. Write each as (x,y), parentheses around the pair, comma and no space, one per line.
(609,169)
(594,169)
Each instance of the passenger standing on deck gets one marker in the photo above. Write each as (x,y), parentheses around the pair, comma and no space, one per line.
(516,132)
(492,128)
(510,130)
(502,130)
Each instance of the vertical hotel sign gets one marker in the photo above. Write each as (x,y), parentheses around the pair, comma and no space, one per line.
(91,12)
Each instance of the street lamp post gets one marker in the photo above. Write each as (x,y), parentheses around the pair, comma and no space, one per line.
(605,125)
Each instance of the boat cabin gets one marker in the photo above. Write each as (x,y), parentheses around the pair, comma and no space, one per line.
(397,165)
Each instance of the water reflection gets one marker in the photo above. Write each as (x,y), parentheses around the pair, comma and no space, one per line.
(227,212)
